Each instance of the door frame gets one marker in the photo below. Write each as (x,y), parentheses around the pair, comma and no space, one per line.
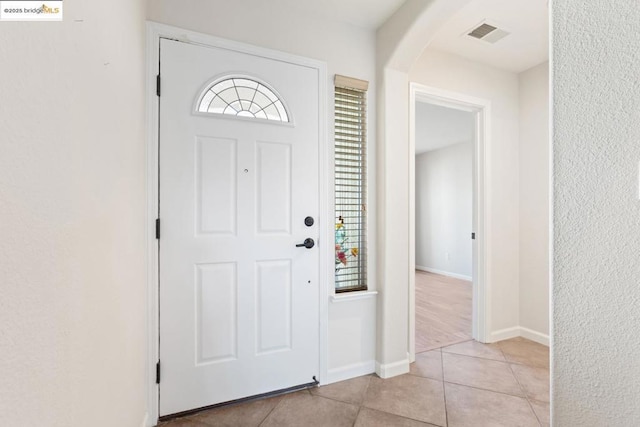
(156,32)
(481,311)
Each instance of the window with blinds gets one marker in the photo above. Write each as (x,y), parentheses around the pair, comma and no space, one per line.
(351,184)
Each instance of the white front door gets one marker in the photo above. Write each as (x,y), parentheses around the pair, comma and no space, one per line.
(239,302)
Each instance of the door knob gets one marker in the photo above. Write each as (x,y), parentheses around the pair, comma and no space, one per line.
(308,243)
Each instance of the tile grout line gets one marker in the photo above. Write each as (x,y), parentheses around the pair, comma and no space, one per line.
(355,420)
(333,399)
(422,376)
(506,362)
(444,391)
(476,357)
(404,417)
(486,389)
(275,406)
(359,404)
(525,395)
(364,395)
(362,405)
(444,346)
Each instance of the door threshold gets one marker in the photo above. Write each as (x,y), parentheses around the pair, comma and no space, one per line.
(242,400)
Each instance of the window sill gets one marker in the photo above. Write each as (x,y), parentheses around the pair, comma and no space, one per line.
(353,296)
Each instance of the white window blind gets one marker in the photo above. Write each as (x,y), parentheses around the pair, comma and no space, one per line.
(351,184)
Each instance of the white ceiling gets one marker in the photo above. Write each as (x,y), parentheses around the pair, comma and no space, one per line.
(438,127)
(368,14)
(526,46)
(526,20)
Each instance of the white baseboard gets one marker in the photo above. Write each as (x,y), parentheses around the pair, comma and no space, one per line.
(145,420)
(444,273)
(534,336)
(350,371)
(519,331)
(504,334)
(392,369)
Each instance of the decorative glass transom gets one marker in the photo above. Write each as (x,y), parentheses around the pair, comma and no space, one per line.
(244,98)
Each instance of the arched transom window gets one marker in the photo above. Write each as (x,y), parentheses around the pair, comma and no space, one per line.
(243,97)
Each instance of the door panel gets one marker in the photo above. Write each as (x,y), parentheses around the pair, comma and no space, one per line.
(238,300)
(217,317)
(273,198)
(273,306)
(216,192)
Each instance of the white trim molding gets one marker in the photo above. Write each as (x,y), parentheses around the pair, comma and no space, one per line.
(353,296)
(351,371)
(481,277)
(519,331)
(392,369)
(151,174)
(534,336)
(444,273)
(504,334)
(155,32)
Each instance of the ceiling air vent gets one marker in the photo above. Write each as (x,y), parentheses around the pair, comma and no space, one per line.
(487,33)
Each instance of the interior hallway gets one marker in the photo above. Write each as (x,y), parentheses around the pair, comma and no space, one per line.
(443,311)
(464,385)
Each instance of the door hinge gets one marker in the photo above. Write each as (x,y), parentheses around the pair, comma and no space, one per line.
(157,228)
(473,236)
(158,85)
(158,372)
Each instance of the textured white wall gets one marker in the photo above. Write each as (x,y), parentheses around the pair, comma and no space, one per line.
(347,50)
(444,207)
(72,274)
(534,199)
(596,219)
(450,72)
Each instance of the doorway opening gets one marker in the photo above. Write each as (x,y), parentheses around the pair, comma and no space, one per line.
(444,225)
(448,287)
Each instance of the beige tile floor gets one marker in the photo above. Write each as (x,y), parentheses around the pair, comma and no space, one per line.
(466,384)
